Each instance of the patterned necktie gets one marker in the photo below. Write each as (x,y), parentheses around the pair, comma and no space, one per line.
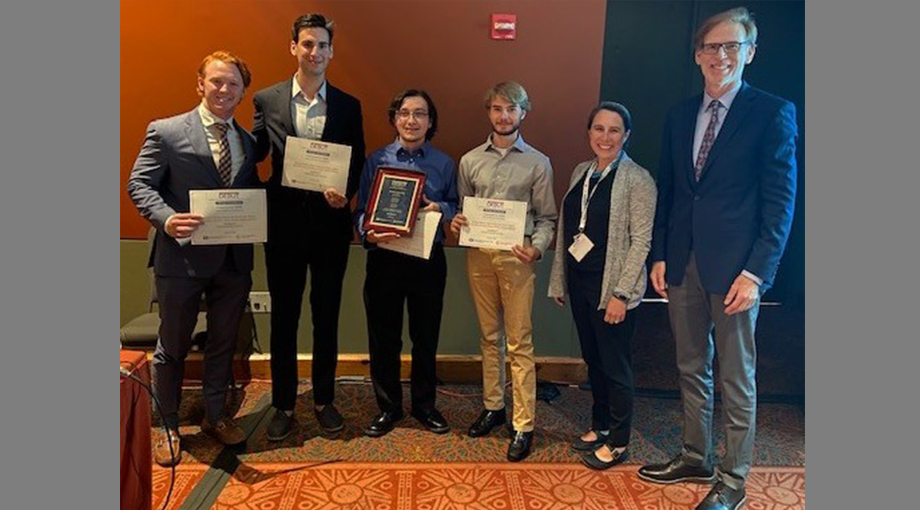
(225,164)
(708,138)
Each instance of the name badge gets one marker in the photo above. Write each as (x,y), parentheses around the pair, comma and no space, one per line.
(580,247)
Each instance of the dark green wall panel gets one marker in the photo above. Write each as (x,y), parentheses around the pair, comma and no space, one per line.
(553,329)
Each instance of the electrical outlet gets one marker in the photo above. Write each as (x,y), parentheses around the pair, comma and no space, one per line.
(260,302)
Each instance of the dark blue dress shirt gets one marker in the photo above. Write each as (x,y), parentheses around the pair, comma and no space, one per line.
(440,182)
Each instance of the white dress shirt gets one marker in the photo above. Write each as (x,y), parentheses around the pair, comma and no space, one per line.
(237,155)
(309,116)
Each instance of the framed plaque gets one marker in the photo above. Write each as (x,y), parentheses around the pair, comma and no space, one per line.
(394,200)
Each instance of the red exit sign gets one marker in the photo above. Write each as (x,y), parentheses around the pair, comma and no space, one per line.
(504,27)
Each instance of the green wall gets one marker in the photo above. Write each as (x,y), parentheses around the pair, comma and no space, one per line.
(554,333)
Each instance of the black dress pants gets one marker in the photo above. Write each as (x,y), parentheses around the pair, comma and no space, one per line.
(607,351)
(296,243)
(393,279)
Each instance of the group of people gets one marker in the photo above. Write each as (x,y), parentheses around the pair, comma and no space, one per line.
(715,225)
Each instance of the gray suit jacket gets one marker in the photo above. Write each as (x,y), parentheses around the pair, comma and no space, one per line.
(174,159)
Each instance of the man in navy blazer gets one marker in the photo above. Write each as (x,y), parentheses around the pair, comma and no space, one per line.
(727,185)
(201,149)
(307,228)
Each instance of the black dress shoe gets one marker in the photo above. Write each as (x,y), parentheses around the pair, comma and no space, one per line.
(519,448)
(487,421)
(589,446)
(591,460)
(329,419)
(383,423)
(281,426)
(676,470)
(722,497)
(432,420)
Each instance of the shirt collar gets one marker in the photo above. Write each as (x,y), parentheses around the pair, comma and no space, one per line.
(420,152)
(296,90)
(209,119)
(726,98)
(518,144)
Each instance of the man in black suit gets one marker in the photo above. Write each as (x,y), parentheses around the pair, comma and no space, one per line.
(201,149)
(306,228)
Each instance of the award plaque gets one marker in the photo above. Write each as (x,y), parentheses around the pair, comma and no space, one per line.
(394,200)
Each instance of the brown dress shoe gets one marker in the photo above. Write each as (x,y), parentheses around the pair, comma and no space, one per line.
(161,452)
(226,431)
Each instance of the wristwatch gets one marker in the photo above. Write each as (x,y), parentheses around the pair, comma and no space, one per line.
(621,297)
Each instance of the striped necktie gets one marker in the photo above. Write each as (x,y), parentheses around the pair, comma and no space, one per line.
(225,163)
(708,138)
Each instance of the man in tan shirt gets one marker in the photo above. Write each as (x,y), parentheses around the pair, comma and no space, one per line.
(502,282)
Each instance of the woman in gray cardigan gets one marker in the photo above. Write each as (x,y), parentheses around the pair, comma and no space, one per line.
(602,241)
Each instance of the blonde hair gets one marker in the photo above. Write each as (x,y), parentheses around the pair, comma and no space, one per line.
(510,91)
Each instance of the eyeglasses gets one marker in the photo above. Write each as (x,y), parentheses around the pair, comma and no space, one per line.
(417,114)
(731,48)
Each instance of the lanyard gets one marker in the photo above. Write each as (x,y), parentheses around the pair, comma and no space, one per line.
(586,196)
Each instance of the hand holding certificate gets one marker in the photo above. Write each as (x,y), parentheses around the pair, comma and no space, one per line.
(493,223)
(231,216)
(419,245)
(315,165)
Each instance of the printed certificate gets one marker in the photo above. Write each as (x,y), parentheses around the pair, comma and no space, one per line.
(314,165)
(419,245)
(493,223)
(231,216)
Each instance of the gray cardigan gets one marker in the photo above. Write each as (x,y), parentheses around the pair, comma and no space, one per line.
(629,234)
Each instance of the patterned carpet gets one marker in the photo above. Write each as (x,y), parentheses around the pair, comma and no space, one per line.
(411,468)
(656,430)
(459,486)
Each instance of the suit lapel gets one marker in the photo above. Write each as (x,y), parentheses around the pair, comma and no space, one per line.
(194,131)
(249,154)
(741,106)
(284,101)
(331,114)
(691,110)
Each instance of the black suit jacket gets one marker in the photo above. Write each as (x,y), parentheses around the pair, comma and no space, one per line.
(272,125)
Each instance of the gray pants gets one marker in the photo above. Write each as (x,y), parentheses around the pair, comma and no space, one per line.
(694,313)
(179,301)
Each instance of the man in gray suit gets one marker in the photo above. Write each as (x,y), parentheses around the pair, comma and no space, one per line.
(201,149)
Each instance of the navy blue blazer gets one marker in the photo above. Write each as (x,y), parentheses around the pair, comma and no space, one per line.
(174,159)
(739,214)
